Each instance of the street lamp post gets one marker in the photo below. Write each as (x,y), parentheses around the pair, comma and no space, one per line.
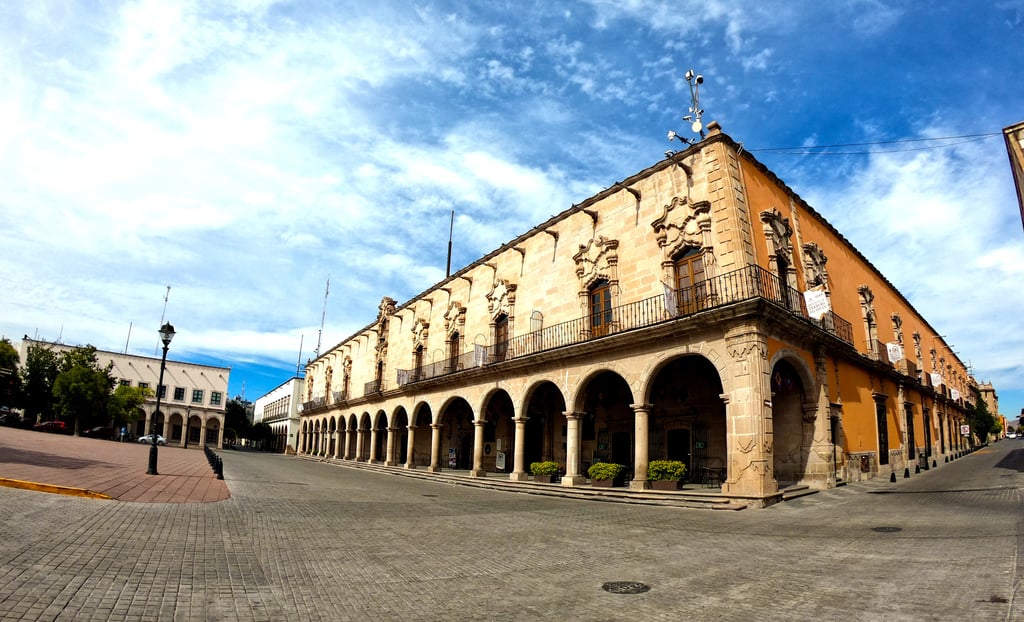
(166,334)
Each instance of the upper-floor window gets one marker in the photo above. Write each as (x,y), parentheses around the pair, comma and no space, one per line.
(179,394)
(126,383)
(454,348)
(600,308)
(143,385)
(197,396)
(690,281)
(500,338)
(215,397)
(161,391)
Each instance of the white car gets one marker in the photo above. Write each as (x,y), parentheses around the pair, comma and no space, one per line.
(148,439)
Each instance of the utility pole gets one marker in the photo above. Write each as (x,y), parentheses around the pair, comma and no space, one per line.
(323,316)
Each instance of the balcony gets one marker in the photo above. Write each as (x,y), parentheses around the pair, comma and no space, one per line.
(317,403)
(752,282)
(373,387)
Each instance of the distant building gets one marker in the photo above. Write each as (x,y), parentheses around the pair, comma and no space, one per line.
(1014,136)
(192,397)
(280,410)
(699,310)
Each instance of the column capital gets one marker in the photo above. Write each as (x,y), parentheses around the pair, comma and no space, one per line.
(641,407)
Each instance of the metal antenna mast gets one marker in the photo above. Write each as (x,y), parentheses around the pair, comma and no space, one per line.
(167,295)
(323,316)
(696,112)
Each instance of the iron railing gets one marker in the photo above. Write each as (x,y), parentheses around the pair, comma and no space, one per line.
(730,288)
(374,386)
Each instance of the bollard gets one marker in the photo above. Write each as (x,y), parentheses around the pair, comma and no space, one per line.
(906,472)
(935,464)
(892,477)
(917,469)
(219,469)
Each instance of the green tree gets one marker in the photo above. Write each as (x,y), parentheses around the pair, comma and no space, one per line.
(236,420)
(37,378)
(125,404)
(82,388)
(982,421)
(10,381)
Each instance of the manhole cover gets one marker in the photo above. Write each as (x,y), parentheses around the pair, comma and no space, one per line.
(886,529)
(625,587)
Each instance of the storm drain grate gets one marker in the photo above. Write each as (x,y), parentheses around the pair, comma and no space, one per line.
(625,587)
(887,529)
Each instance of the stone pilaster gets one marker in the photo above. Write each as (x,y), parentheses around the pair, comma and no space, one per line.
(410,448)
(749,416)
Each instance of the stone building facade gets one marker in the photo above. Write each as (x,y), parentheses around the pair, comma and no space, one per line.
(699,310)
(192,402)
(279,409)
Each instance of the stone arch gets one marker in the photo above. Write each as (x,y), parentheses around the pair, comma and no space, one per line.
(687,419)
(545,431)
(792,432)
(398,437)
(606,422)
(423,420)
(456,420)
(497,412)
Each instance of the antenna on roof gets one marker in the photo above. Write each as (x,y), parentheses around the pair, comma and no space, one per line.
(298,363)
(167,295)
(323,316)
(696,112)
(451,230)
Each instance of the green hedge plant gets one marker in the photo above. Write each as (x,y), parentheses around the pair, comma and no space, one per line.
(546,467)
(605,470)
(671,470)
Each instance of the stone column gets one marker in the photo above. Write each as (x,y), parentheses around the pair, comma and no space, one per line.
(339,443)
(410,448)
(220,436)
(350,443)
(519,473)
(360,443)
(749,416)
(572,451)
(373,446)
(641,444)
(389,455)
(202,434)
(435,447)
(478,449)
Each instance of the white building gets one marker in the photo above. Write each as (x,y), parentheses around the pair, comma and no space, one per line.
(192,397)
(280,410)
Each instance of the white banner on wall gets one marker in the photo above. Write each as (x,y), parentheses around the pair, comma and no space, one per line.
(895,351)
(817,303)
(953,393)
(936,379)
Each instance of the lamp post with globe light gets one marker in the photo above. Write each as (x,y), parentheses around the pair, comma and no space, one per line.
(166,334)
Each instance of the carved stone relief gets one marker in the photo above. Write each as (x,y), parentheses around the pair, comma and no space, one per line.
(598,259)
(682,225)
(815,272)
(500,300)
(455,318)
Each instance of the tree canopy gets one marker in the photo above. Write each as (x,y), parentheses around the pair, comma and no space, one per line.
(37,377)
(82,388)
(10,381)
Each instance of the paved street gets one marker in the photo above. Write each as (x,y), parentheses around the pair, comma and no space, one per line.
(303,540)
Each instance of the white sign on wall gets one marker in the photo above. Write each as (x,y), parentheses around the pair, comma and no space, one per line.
(817,303)
(965,430)
(895,351)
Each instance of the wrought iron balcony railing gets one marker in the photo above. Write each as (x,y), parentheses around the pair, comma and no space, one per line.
(730,288)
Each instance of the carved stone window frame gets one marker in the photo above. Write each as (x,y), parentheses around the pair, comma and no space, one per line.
(597,260)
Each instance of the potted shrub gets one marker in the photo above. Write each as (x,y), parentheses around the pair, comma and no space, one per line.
(543,471)
(666,474)
(606,474)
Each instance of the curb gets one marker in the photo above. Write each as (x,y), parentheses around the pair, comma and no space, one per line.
(53,488)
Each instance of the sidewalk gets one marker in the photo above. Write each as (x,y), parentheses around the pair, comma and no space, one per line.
(105,469)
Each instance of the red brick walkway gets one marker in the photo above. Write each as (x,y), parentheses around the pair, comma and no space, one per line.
(61,463)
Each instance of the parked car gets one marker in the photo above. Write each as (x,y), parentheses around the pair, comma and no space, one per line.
(99,432)
(148,439)
(51,426)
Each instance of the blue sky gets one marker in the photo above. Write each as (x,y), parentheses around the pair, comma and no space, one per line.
(244,152)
